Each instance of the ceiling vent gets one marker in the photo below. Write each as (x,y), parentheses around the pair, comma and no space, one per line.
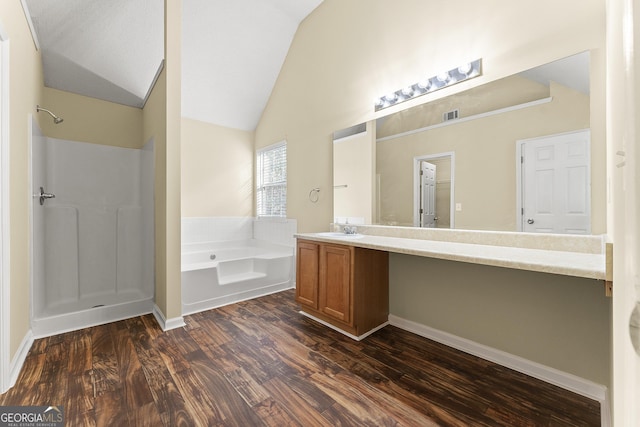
(451,115)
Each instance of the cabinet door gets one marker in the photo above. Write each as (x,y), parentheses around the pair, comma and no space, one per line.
(335,282)
(307,274)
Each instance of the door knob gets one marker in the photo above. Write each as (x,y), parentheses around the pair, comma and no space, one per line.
(530,221)
(44,196)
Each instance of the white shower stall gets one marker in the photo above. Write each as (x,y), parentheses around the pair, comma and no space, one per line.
(92,244)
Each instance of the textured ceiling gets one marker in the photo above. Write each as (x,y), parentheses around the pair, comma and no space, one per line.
(109,50)
(231,55)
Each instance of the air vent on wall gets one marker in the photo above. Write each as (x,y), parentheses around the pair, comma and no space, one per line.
(451,115)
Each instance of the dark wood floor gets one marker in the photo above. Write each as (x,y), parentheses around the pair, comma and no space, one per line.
(261,363)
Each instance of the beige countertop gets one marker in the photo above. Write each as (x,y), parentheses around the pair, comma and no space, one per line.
(564,262)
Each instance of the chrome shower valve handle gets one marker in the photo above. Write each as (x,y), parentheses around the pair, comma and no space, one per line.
(44,196)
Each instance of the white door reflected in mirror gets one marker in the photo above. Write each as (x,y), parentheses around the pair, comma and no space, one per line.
(427,195)
(556,188)
(434,190)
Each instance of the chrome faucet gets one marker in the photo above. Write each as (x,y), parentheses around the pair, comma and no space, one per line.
(349,229)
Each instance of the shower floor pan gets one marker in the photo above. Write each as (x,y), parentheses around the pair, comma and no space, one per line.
(92,311)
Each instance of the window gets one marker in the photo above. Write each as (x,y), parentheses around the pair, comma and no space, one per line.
(271,180)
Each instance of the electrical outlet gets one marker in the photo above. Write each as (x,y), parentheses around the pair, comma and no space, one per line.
(458,207)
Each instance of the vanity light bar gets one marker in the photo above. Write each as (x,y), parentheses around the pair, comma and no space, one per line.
(448,78)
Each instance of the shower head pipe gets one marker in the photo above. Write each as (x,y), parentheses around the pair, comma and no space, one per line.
(56,119)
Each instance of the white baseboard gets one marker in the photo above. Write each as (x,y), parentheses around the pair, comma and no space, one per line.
(550,375)
(21,355)
(335,328)
(167,324)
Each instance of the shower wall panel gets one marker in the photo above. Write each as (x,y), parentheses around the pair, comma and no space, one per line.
(147,163)
(38,177)
(94,234)
(60,254)
(129,248)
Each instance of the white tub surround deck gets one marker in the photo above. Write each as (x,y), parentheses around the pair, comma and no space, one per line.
(230,259)
(220,273)
(570,255)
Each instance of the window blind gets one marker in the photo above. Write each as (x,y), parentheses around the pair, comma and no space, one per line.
(271,179)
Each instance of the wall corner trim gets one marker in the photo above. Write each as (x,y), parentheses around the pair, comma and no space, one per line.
(32,29)
(21,355)
(550,375)
(167,324)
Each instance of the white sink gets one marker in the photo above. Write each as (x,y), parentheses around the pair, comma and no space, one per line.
(339,235)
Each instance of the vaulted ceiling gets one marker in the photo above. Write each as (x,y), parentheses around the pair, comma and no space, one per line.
(232,51)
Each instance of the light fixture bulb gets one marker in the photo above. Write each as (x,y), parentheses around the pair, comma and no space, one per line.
(465,68)
(443,77)
(424,84)
(391,97)
(407,91)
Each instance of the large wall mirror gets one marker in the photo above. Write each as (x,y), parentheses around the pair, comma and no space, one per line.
(514,154)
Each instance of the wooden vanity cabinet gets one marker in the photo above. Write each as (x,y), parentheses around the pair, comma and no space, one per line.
(335,278)
(342,285)
(307,271)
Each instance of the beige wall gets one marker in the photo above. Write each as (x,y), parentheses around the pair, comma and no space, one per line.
(25,91)
(173,69)
(346,54)
(162,121)
(91,120)
(495,95)
(485,149)
(561,322)
(154,127)
(217,170)
(353,174)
